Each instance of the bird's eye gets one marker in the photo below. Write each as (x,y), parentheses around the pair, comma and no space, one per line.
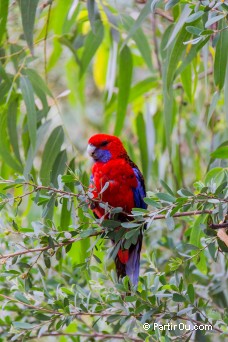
(104,143)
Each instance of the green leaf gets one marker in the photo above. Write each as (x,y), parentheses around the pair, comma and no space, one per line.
(124,85)
(130,225)
(140,40)
(146,10)
(182,20)
(220,153)
(152,202)
(178,298)
(41,317)
(194,30)
(226,96)
(130,299)
(19,296)
(39,86)
(111,224)
(23,325)
(59,167)
(170,223)
(176,55)
(65,214)
(186,78)
(165,197)
(195,236)
(212,107)
(28,96)
(91,44)
(221,58)
(212,174)
(28,14)
(141,132)
(4,4)
(138,90)
(12,128)
(113,318)
(213,20)
(5,145)
(47,260)
(41,132)
(131,233)
(170,4)
(166,187)
(92,8)
(175,263)
(142,87)
(185,193)
(51,150)
(191,293)
(194,16)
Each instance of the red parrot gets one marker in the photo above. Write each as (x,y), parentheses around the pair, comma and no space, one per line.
(126,189)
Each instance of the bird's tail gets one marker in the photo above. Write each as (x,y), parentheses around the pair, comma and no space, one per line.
(128,261)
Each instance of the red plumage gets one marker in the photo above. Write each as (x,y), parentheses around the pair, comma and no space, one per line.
(121,179)
(126,189)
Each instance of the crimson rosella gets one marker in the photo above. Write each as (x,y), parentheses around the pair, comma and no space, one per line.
(125,189)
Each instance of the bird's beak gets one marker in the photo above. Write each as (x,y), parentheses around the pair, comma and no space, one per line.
(91,149)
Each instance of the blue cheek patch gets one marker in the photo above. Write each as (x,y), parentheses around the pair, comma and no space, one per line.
(103,155)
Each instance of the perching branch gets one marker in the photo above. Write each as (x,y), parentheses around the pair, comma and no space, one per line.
(156,215)
(42,249)
(70,241)
(91,335)
(102,314)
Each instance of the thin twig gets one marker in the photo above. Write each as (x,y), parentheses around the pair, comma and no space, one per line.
(42,249)
(70,241)
(198,323)
(103,314)
(29,305)
(218,226)
(159,12)
(91,335)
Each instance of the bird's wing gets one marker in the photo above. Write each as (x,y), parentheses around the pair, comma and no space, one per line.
(139,191)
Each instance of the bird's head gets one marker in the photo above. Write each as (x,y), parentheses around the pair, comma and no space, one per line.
(104,147)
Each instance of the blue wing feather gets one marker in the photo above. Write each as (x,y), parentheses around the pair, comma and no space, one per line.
(139,191)
(133,264)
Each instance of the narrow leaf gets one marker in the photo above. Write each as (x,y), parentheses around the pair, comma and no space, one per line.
(12,128)
(50,153)
(141,41)
(165,197)
(28,96)
(221,58)
(214,20)
(212,106)
(91,44)
(220,153)
(194,16)
(5,145)
(191,293)
(4,4)
(124,85)
(141,132)
(182,20)
(28,14)
(147,9)
(23,325)
(19,296)
(195,237)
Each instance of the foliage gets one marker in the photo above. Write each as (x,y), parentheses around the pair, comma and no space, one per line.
(156,75)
